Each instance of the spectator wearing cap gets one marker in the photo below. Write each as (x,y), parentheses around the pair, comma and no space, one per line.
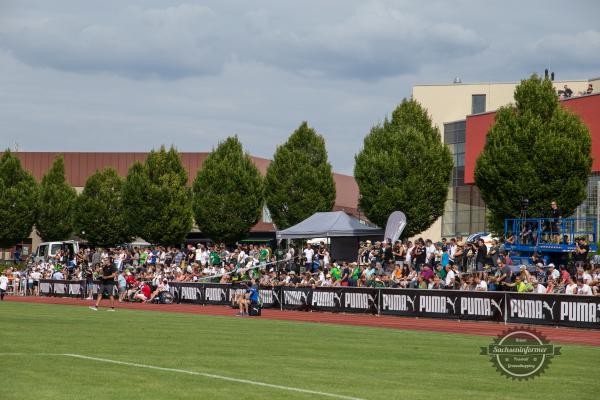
(552,272)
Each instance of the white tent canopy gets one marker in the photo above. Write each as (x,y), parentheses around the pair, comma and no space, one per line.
(329,224)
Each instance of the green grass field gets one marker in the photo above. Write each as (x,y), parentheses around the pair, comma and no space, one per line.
(368,363)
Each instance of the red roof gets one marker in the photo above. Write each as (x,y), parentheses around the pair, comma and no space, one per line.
(79,166)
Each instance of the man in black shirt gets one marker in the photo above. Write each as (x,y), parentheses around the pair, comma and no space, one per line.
(109,273)
(555,216)
(481,257)
(581,253)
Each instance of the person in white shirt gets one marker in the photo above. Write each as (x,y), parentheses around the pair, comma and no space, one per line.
(204,256)
(429,252)
(583,288)
(571,288)
(538,287)
(450,276)
(58,276)
(480,284)
(308,255)
(198,254)
(553,272)
(3,284)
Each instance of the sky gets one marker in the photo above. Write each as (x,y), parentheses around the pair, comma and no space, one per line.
(117,75)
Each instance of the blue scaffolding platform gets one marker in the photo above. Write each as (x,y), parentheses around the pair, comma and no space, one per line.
(530,236)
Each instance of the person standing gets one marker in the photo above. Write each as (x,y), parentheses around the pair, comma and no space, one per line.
(481,256)
(109,272)
(3,284)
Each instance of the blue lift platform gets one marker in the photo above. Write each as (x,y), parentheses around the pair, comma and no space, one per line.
(550,238)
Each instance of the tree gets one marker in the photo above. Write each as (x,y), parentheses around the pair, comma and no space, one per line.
(536,150)
(228,193)
(99,210)
(18,201)
(57,204)
(157,201)
(404,166)
(299,181)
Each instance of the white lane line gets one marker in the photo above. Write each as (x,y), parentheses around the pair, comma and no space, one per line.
(213,376)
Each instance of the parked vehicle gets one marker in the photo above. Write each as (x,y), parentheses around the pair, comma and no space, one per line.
(47,250)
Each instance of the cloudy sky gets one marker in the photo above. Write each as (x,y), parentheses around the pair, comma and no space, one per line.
(117,75)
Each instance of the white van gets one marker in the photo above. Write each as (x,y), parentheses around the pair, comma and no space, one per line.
(47,250)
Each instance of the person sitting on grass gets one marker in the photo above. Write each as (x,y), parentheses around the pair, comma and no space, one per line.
(250,298)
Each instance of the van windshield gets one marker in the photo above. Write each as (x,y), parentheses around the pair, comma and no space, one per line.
(55,248)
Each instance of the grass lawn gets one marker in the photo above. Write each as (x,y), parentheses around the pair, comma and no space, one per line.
(368,363)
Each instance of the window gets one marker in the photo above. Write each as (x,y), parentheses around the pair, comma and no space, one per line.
(464,212)
(478,104)
(55,248)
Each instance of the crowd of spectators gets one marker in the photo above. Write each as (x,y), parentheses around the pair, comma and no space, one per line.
(449,264)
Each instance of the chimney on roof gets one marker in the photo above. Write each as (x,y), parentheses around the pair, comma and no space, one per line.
(546,73)
(457,80)
(552,76)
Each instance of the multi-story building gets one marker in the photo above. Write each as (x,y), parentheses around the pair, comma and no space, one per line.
(464,112)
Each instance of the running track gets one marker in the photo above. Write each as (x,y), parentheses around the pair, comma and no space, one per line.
(563,335)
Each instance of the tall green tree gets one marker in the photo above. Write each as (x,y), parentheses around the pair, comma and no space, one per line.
(57,204)
(404,166)
(299,181)
(99,214)
(158,204)
(228,193)
(536,150)
(18,201)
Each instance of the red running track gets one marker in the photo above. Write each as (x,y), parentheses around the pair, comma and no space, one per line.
(554,334)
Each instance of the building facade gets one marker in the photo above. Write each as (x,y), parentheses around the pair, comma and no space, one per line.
(464,114)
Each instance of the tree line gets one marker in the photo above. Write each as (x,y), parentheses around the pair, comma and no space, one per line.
(536,149)
(154,201)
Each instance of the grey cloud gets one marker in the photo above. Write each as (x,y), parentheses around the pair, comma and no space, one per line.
(375,41)
(580,48)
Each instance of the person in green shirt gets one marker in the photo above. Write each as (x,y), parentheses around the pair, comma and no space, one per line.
(355,275)
(215,258)
(143,258)
(441,272)
(520,285)
(263,255)
(335,272)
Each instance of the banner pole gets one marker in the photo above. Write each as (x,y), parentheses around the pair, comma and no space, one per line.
(505,308)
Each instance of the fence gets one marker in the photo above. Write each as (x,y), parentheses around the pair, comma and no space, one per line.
(545,309)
